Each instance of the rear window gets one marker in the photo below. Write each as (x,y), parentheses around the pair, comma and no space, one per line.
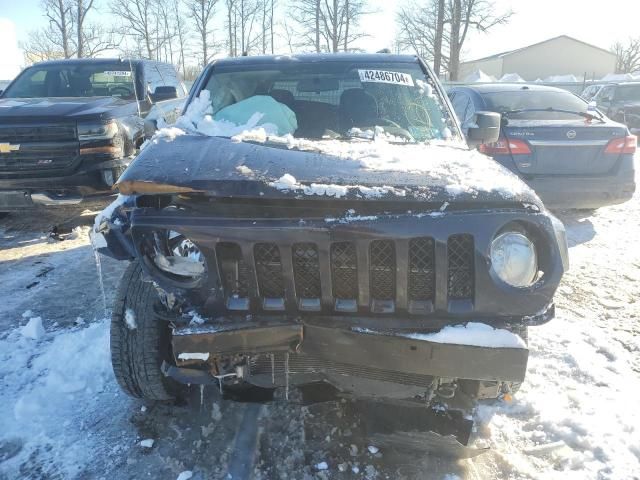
(74,80)
(534,101)
(628,92)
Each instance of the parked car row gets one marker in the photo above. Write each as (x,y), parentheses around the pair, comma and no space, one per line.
(572,154)
(69,128)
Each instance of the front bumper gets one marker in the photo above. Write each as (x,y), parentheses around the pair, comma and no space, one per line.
(366,362)
(19,192)
(588,191)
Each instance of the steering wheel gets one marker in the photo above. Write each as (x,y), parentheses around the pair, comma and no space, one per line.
(121,91)
(396,130)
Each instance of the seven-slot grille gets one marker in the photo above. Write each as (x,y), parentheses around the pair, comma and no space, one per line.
(281,274)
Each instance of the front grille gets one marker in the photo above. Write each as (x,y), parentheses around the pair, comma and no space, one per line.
(422,269)
(269,270)
(306,270)
(460,256)
(37,133)
(298,281)
(344,271)
(233,269)
(382,270)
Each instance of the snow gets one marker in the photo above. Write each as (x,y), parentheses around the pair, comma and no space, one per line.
(373,449)
(97,239)
(130,319)
(479,77)
(186,475)
(322,466)
(147,443)
(194,356)
(561,79)
(464,171)
(476,334)
(33,329)
(289,183)
(511,78)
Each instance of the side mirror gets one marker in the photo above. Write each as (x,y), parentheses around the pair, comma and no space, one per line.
(164,93)
(150,127)
(486,128)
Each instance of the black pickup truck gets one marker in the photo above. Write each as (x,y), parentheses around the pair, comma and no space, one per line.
(69,128)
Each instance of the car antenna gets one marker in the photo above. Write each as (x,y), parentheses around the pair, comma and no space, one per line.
(135,90)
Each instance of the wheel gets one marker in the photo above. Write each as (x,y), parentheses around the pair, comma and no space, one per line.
(140,343)
(523,332)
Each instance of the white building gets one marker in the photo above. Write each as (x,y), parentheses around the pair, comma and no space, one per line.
(561,55)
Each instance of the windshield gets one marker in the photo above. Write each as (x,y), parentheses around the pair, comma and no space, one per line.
(628,93)
(74,80)
(536,100)
(336,99)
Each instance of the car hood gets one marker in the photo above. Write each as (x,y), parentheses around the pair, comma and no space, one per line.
(248,167)
(72,108)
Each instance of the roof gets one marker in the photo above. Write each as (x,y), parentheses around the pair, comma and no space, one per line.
(510,87)
(511,52)
(93,61)
(316,57)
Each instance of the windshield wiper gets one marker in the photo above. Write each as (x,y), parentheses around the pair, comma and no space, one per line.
(589,116)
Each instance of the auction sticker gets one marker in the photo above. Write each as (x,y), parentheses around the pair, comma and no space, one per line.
(118,73)
(384,76)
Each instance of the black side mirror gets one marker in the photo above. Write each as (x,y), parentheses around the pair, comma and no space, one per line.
(164,93)
(150,127)
(486,128)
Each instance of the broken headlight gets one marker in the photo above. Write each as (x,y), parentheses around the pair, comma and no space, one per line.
(178,257)
(514,259)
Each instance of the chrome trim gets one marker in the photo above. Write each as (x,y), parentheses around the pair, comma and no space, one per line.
(568,143)
(43,198)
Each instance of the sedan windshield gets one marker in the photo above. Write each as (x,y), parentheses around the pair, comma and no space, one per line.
(336,99)
(74,80)
(536,101)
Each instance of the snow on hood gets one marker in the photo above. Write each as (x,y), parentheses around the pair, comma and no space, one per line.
(446,164)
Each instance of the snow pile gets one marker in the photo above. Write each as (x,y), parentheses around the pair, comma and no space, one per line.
(147,443)
(289,183)
(511,78)
(476,334)
(561,79)
(33,329)
(618,77)
(48,389)
(186,475)
(479,77)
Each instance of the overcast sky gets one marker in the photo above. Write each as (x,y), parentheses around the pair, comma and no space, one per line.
(596,22)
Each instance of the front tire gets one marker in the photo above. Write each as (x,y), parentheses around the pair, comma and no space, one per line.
(140,341)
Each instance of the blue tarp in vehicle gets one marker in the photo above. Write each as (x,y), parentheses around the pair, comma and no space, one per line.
(273,113)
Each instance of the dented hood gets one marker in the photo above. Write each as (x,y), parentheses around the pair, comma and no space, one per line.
(347,169)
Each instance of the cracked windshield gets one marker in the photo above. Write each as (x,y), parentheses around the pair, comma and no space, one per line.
(319,239)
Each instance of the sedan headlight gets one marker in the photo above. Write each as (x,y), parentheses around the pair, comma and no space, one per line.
(514,259)
(97,130)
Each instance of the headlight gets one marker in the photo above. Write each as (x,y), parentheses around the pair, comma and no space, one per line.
(514,259)
(97,130)
(178,256)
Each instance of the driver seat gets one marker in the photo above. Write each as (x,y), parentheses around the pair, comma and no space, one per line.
(357,109)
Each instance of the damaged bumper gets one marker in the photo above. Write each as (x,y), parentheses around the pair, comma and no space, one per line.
(368,363)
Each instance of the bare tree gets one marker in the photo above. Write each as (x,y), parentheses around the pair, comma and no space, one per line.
(330,25)
(201,12)
(420,22)
(81,7)
(139,21)
(55,40)
(241,19)
(627,55)
(182,33)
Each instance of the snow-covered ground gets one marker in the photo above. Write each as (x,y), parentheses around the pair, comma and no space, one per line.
(64,417)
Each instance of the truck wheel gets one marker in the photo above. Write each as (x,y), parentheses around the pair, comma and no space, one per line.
(523,332)
(140,341)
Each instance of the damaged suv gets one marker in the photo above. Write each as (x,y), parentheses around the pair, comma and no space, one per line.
(320,220)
